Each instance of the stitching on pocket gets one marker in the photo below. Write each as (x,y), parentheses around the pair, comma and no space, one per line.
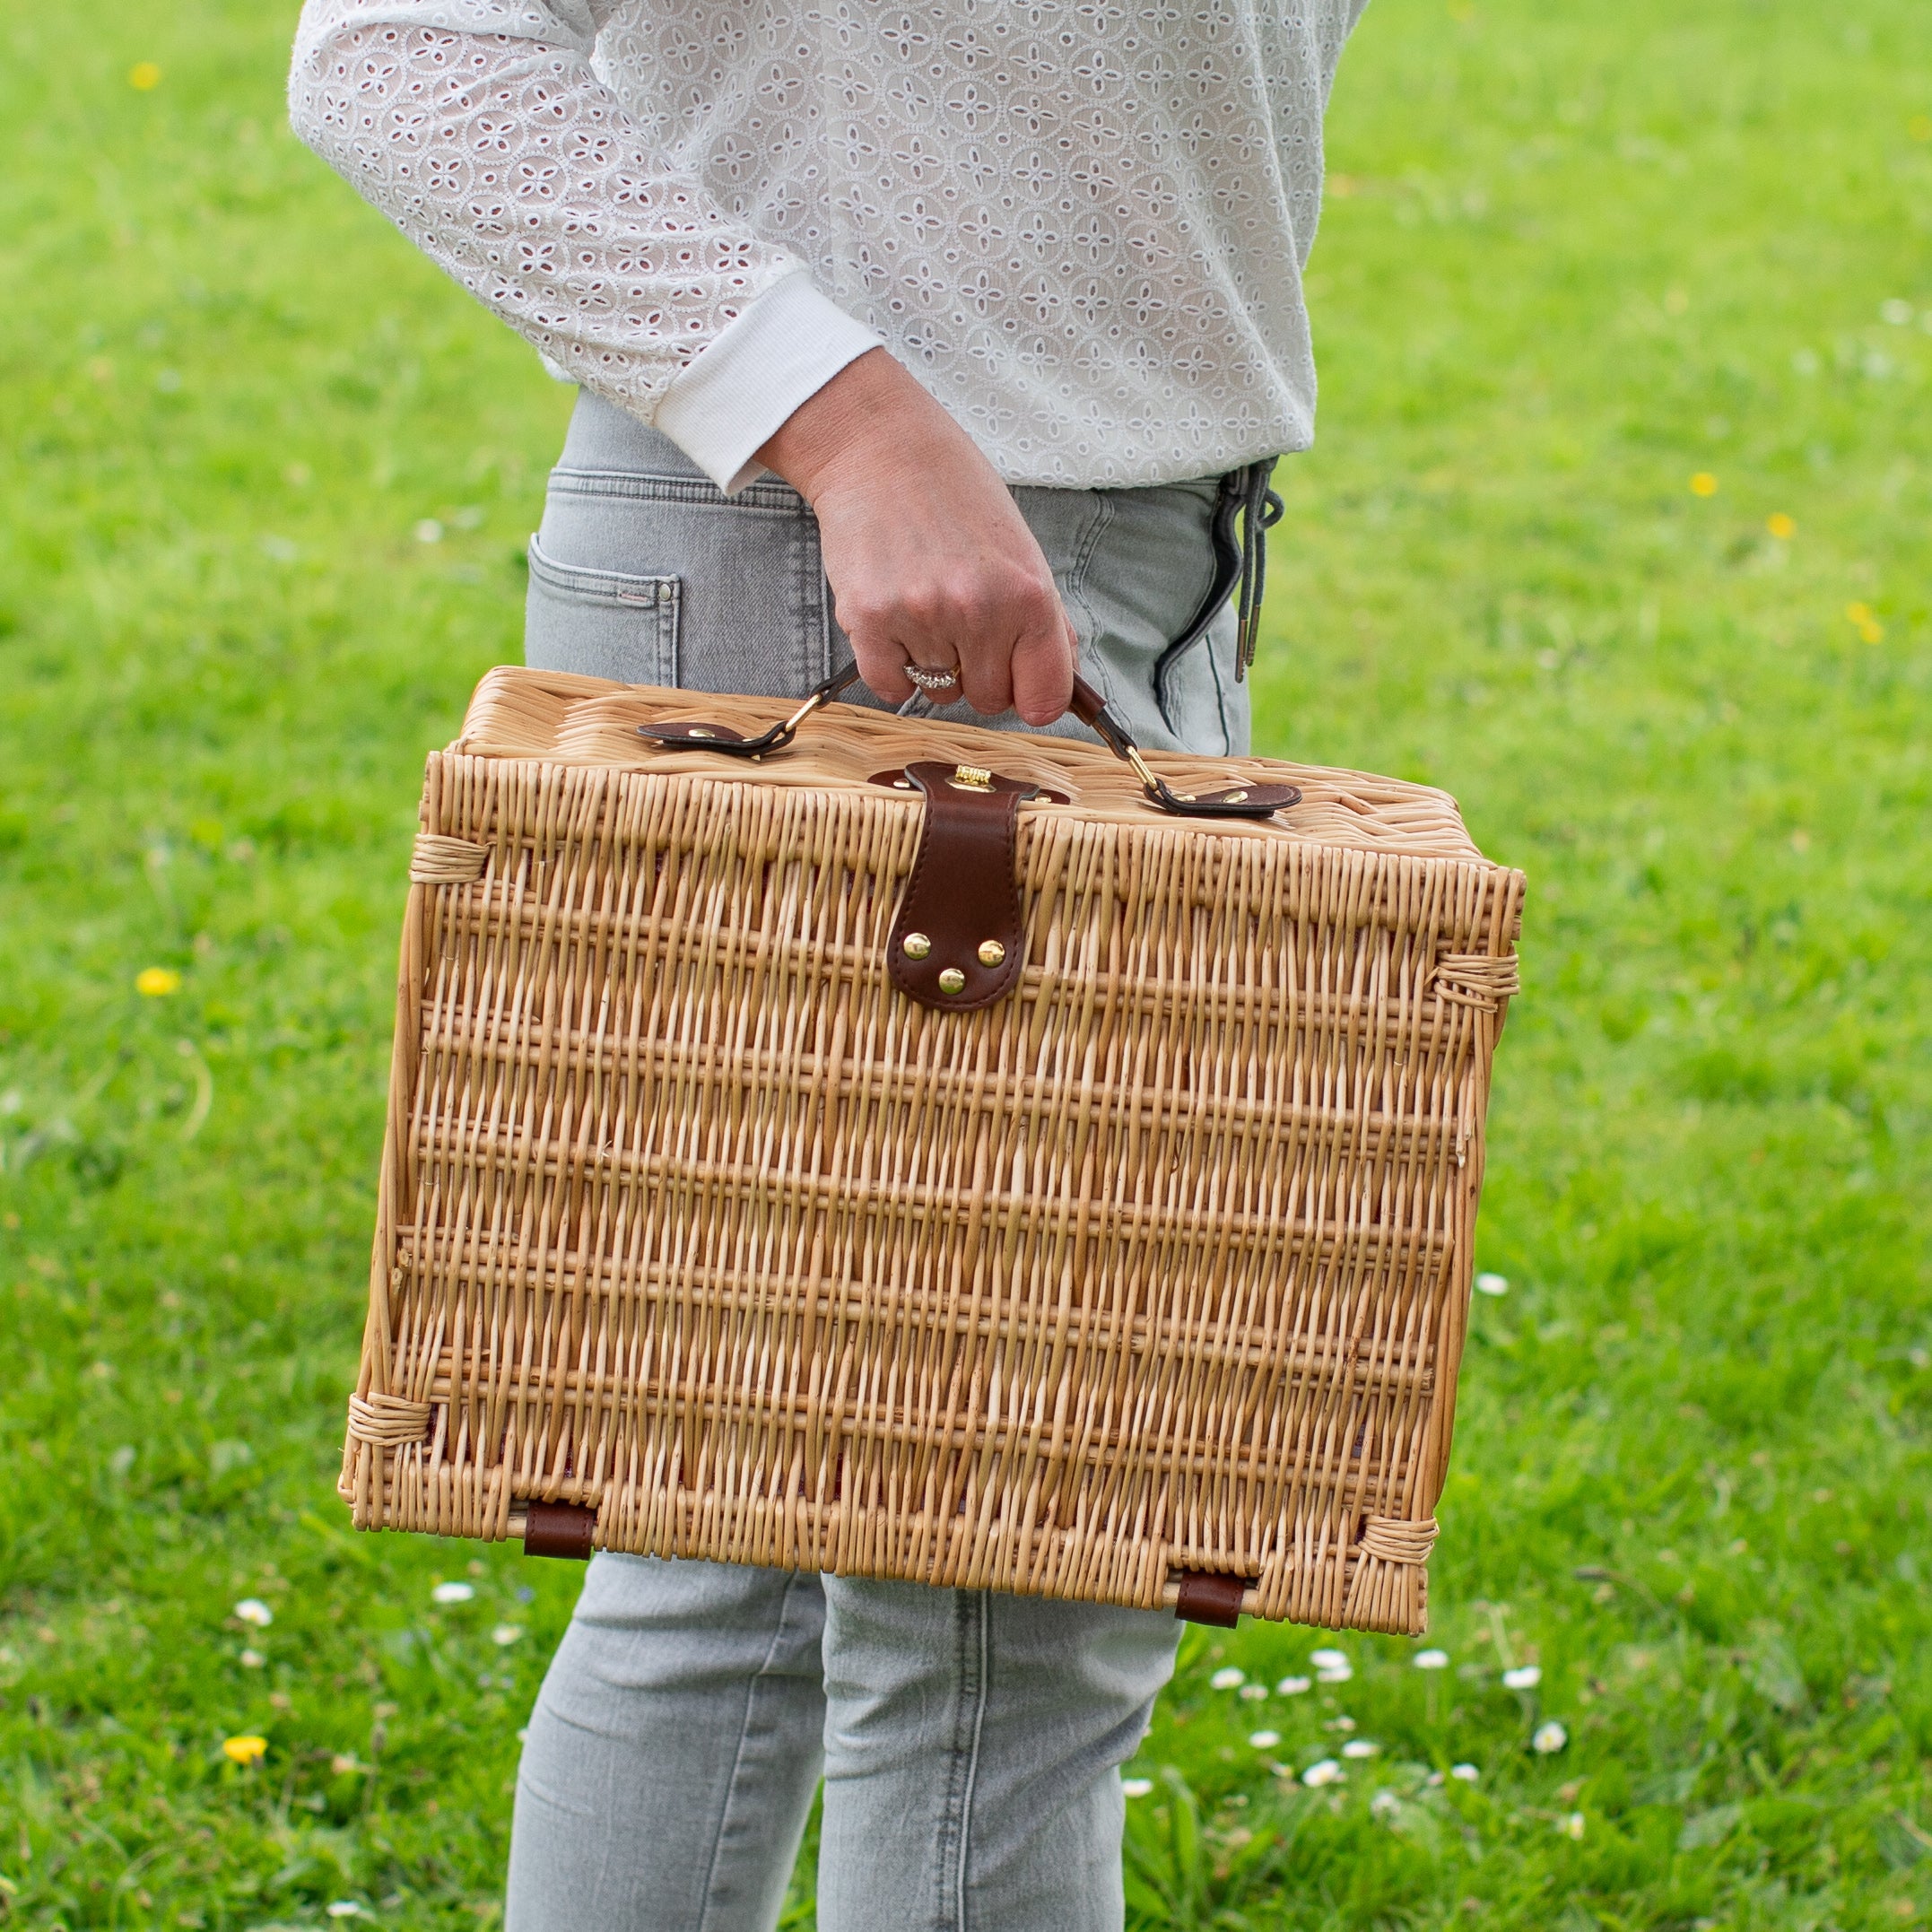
(639,486)
(627,589)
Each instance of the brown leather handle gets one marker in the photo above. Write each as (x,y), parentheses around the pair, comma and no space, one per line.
(1235,801)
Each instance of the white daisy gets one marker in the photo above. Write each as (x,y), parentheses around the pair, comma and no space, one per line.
(1550,1738)
(1524,1677)
(1431,1661)
(1228,1678)
(253,1610)
(453,1593)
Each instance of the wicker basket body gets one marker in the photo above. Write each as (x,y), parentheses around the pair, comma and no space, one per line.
(1158,1264)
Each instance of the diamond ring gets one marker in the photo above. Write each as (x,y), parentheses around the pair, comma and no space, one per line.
(932,679)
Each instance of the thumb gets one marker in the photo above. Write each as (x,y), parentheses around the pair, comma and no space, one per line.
(1043,672)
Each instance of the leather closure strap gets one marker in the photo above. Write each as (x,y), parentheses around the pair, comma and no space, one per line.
(958,941)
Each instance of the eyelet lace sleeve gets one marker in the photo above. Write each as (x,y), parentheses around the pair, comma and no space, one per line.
(479,127)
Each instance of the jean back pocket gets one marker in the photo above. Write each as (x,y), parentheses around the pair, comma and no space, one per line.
(601,623)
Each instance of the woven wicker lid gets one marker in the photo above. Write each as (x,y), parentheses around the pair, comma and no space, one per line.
(559,718)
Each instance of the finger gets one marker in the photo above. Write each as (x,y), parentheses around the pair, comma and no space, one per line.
(941,682)
(882,665)
(985,680)
(1043,669)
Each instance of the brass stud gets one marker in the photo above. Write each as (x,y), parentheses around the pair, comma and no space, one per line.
(698,731)
(991,953)
(917,946)
(1235,798)
(952,980)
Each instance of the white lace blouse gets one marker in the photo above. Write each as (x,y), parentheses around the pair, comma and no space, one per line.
(1081,223)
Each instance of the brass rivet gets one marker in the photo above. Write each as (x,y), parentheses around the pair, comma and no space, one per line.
(952,980)
(917,946)
(991,953)
(1234,798)
(698,731)
(904,785)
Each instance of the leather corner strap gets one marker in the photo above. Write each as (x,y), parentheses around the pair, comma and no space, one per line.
(1208,1598)
(957,942)
(562,1529)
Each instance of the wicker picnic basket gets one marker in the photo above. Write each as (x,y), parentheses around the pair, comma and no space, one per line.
(922,1151)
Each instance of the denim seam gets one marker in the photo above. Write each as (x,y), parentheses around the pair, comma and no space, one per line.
(984,1620)
(1221,695)
(1077,579)
(641,486)
(737,1761)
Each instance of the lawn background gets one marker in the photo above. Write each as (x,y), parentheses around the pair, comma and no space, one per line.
(1571,259)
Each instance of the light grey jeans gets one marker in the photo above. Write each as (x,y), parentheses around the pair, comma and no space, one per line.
(971,1742)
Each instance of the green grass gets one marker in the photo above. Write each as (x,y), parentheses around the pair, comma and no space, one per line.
(1582,254)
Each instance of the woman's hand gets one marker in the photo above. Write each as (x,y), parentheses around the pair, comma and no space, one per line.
(927,553)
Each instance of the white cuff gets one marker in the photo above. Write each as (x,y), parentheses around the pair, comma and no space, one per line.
(749,378)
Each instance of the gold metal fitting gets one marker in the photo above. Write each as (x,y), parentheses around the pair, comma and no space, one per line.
(971,779)
(1235,798)
(952,980)
(1143,771)
(991,953)
(698,731)
(917,946)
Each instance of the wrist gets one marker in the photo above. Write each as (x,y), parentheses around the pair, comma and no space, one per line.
(872,414)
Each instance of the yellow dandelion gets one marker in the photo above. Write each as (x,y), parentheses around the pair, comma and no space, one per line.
(1783,527)
(1703,483)
(245,1750)
(156,982)
(144,75)
(1865,619)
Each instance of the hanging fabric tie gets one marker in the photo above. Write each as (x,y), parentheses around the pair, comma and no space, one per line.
(1246,500)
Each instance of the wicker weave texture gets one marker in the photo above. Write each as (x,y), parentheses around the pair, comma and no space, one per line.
(1160,1264)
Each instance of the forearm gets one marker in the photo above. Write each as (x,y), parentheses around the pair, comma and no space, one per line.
(513,167)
